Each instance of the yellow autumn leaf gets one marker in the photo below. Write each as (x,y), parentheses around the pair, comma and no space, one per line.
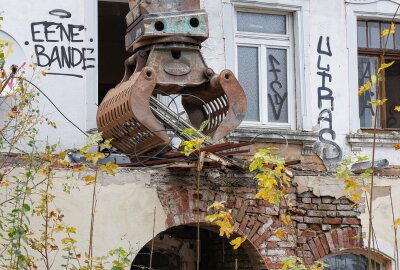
(384,66)
(89,179)
(237,242)
(211,218)
(397,223)
(378,102)
(286,219)
(70,230)
(281,234)
(217,205)
(397,146)
(373,79)
(80,168)
(397,108)
(68,240)
(94,157)
(364,88)
(225,228)
(389,31)
(109,168)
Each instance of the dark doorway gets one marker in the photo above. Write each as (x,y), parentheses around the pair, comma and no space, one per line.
(112,54)
(175,249)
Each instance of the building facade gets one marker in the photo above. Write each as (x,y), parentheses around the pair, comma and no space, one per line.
(301,63)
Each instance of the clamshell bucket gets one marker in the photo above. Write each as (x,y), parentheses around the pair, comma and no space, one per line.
(165,37)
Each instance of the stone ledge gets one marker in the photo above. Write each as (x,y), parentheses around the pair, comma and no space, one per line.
(358,140)
(264,134)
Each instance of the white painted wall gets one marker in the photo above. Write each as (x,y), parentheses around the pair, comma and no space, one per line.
(77,97)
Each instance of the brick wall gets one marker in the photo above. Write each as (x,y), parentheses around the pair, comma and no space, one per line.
(324,225)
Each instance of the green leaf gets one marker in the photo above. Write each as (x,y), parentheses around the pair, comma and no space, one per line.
(26,207)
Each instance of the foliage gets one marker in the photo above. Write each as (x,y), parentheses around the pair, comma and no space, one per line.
(354,185)
(224,221)
(271,176)
(195,144)
(298,264)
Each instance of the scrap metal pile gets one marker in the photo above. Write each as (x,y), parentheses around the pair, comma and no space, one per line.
(164,37)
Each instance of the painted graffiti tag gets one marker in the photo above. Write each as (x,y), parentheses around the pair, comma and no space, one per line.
(61,45)
(325,94)
(276,99)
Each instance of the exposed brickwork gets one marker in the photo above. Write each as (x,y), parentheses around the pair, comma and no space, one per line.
(323,225)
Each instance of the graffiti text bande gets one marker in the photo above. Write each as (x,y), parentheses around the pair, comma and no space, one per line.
(59,45)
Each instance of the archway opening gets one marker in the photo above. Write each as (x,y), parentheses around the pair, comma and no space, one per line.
(175,249)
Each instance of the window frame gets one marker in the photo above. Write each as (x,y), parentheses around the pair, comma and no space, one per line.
(382,55)
(265,41)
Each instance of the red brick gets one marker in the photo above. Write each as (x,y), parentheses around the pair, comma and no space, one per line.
(274,266)
(335,239)
(346,238)
(251,222)
(308,261)
(320,248)
(238,203)
(262,238)
(271,245)
(306,247)
(244,223)
(335,221)
(308,233)
(242,211)
(255,229)
(351,221)
(314,249)
(254,238)
(324,243)
(184,201)
(315,227)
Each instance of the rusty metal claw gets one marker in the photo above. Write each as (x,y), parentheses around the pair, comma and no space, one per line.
(167,60)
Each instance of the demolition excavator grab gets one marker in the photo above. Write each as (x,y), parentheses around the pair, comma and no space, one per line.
(164,37)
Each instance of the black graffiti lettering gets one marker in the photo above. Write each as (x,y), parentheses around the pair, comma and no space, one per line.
(64,57)
(34,32)
(273,61)
(39,51)
(56,32)
(59,55)
(276,100)
(86,60)
(328,119)
(319,65)
(328,47)
(366,97)
(325,157)
(60,13)
(326,93)
(277,111)
(55,56)
(323,88)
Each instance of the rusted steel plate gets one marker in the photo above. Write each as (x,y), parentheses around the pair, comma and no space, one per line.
(125,116)
(188,24)
(158,6)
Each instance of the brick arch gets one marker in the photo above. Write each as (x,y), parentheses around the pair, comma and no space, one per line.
(252,218)
(332,242)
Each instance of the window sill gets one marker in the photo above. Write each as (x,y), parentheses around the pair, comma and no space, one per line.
(358,140)
(266,134)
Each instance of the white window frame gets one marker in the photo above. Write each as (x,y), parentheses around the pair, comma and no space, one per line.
(361,10)
(263,42)
(300,116)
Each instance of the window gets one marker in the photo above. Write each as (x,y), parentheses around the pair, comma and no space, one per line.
(347,261)
(371,54)
(264,65)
